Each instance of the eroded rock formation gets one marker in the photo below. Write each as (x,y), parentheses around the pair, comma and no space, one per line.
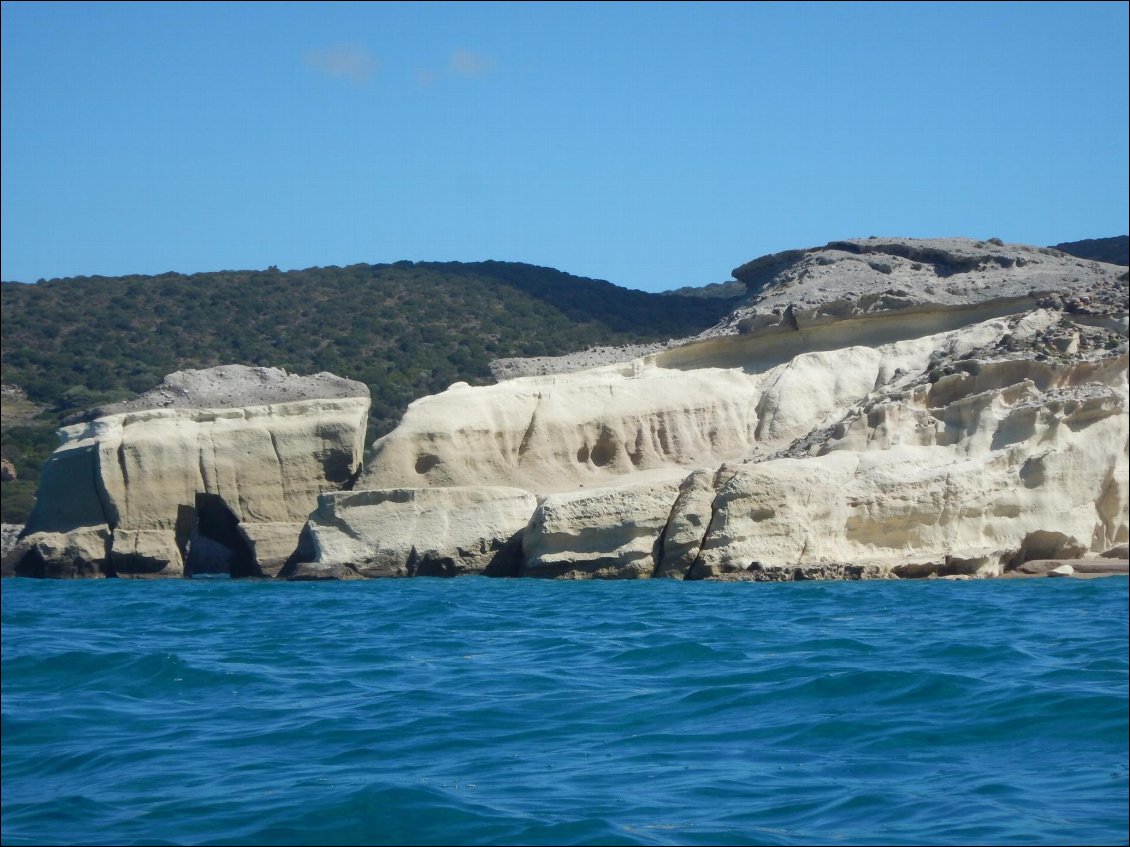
(230,459)
(415,532)
(879,407)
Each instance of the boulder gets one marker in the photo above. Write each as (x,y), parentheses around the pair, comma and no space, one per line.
(415,532)
(688,524)
(1102,566)
(610,533)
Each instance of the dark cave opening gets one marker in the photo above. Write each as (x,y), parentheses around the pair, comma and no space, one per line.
(215,545)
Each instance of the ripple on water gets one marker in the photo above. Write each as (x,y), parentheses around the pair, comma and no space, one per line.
(479,711)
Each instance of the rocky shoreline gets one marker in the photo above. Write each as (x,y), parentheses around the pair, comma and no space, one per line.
(1116,563)
(878,408)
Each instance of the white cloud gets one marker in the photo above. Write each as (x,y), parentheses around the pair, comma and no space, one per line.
(344,61)
(466,63)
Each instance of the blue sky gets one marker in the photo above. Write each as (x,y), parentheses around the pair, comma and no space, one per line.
(653,145)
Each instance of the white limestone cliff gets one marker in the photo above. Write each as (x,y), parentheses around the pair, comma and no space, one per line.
(888,407)
(878,408)
(129,488)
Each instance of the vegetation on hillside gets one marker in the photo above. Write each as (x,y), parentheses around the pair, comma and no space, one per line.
(1115,250)
(406,330)
(731,290)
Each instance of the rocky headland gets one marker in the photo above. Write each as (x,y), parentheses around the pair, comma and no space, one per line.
(877,408)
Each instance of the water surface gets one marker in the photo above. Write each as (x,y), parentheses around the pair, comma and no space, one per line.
(478,711)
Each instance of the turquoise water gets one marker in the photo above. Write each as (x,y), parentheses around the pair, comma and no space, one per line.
(476,711)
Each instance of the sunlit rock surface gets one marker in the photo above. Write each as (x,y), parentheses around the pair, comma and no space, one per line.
(129,488)
(415,532)
(878,408)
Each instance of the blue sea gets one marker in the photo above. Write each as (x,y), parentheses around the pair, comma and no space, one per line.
(479,711)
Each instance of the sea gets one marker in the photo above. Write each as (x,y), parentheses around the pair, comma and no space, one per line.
(495,711)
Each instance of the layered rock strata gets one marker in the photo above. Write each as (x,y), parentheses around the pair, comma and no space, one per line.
(214,470)
(879,408)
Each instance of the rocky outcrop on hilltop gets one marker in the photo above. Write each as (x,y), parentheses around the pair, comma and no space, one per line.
(879,407)
(914,278)
(231,387)
(593,357)
(214,469)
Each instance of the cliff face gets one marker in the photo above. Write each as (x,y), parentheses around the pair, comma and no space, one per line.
(187,478)
(878,407)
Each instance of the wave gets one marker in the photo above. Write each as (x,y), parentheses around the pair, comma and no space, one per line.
(477,711)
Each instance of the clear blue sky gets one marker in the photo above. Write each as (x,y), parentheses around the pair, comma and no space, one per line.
(653,145)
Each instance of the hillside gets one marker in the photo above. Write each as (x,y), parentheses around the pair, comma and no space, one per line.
(1115,250)
(879,408)
(406,330)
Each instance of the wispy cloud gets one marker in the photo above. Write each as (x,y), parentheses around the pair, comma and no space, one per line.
(466,63)
(344,61)
(461,63)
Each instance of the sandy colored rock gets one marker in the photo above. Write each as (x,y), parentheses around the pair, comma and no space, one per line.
(610,533)
(688,523)
(1103,566)
(145,479)
(879,408)
(852,278)
(80,553)
(825,331)
(418,532)
(548,434)
(233,387)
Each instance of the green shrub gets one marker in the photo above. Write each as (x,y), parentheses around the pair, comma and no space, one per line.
(406,330)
